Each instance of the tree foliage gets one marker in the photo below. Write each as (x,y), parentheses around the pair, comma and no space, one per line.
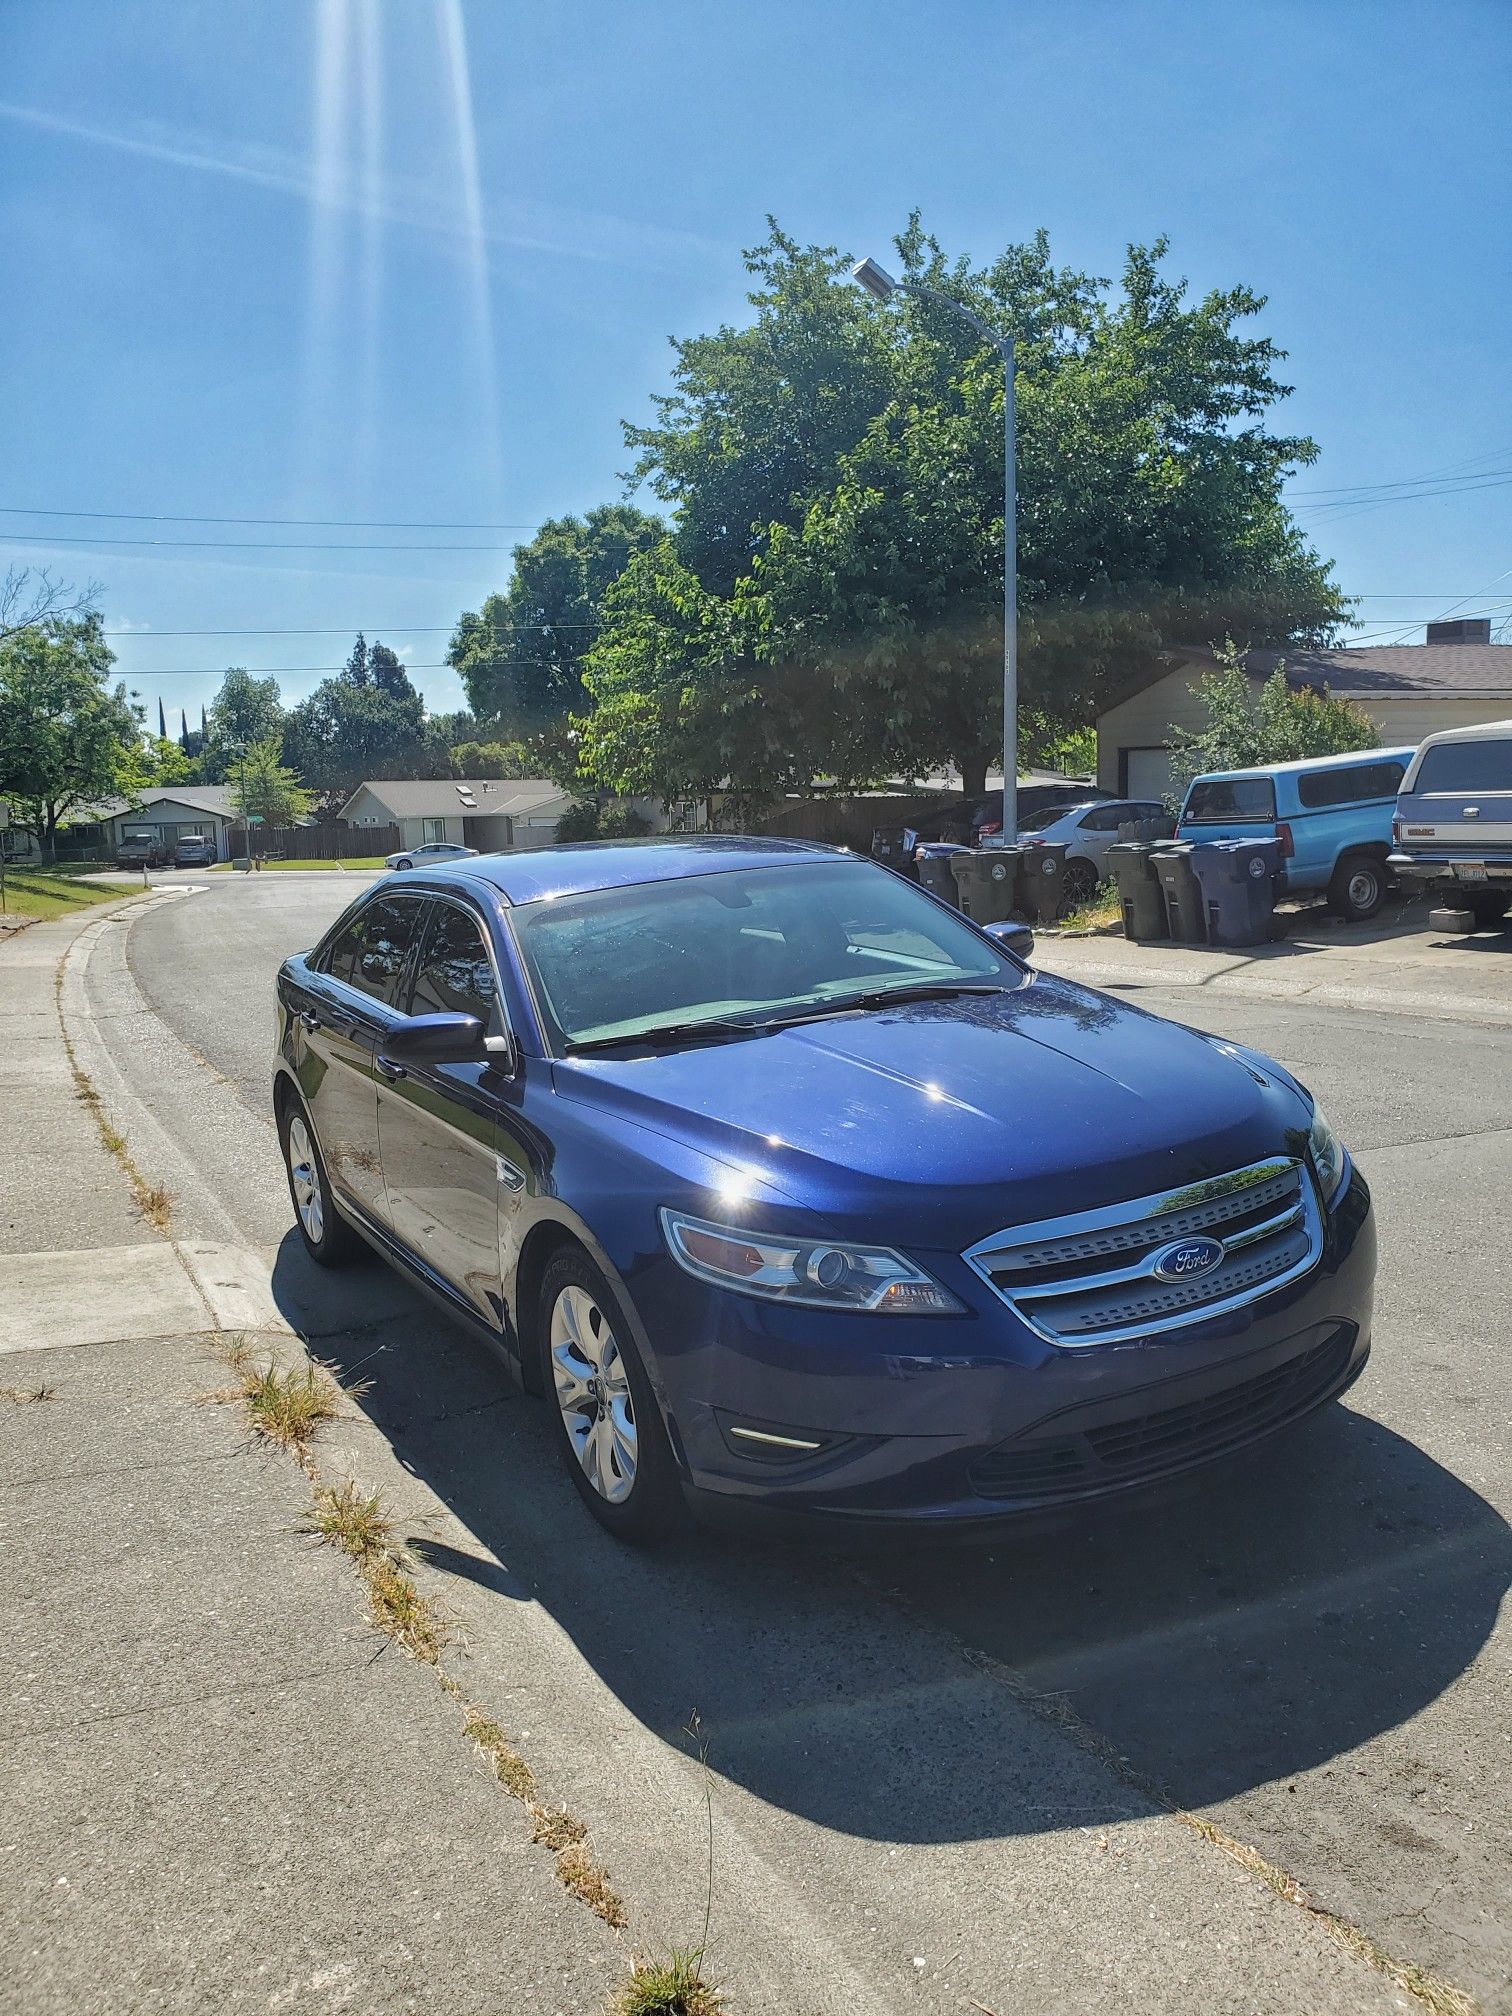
(1243,728)
(829,601)
(520,656)
(68,738)
(263,789)
(245,710)
(367,721)
(493,759)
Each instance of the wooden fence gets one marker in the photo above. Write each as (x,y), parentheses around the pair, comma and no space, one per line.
(333,842)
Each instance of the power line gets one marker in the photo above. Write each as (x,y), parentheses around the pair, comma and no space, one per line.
(240,545)
(205,518)
(299,671)
(394,629)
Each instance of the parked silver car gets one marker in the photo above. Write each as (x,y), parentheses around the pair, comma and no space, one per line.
(1452,832)
(1089,830)
(430,855)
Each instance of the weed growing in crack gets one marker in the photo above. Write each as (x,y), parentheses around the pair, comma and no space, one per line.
(670,1987)
(507,1765)
(28,1396)
(590,1884)
(356,1523)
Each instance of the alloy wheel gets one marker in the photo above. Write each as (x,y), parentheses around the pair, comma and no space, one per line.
(304,1177)
(593,1392)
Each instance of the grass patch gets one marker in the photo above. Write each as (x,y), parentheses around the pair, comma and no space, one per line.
(358,1525)
(1102,907)
(285,1404)
(590,1884)
(506,1763)
(36,892)
(670,1987)
(345,861)
(27,1396)
(153,1200)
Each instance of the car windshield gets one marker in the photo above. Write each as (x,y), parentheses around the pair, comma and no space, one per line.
(741,946)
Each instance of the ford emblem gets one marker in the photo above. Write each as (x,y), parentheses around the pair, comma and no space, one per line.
(1188,1258)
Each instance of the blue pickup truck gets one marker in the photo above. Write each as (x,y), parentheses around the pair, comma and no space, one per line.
(1331,814)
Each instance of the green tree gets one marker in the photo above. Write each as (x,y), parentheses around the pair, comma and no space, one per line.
(493,759)
(162,761)
(67,737)
(830,598)
(1242,728)
(520,657)
(344,732)
(244,711)
(264,789)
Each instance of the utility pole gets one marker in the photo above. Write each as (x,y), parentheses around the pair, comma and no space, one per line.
(881,285)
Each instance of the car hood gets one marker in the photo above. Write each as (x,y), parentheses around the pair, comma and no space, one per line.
(986,1109)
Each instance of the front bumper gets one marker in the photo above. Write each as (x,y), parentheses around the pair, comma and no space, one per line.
(970,1420)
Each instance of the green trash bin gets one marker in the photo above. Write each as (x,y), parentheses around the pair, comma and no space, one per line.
(1140,896)
(1186,913)
(985,881)
(1042,880)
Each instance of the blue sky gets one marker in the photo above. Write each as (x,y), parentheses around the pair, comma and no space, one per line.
(414,260)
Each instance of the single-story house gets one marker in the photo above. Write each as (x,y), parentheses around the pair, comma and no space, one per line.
(1408,690)
(492,814)
(169,812)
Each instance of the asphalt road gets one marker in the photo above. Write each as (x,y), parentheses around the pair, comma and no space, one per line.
(1304,1648)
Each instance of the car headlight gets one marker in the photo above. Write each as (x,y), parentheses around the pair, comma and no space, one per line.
(1328,1156)
(816,1273)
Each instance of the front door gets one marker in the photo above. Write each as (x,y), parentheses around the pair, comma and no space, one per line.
(349,1006)
(436,1128)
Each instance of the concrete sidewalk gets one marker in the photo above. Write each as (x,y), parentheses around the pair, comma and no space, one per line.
(1394,965)
(222,1790)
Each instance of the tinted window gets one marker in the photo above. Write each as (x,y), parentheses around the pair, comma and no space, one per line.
(1467,766)
(741,944)
(1106,818)
(1036,822)
(371,951)
(455,975)
(1228,801)
(1357,785)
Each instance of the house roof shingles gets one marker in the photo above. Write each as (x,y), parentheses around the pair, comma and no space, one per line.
(465,797)
(1388,671)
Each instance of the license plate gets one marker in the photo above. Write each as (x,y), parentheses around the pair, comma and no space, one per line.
(1469,871)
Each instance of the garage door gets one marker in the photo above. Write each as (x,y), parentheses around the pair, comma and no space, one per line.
(1149,773)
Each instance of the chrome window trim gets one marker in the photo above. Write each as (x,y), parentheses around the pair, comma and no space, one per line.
(1159,1204)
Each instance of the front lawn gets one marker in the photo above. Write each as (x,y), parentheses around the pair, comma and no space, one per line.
(346,861)
(45,892)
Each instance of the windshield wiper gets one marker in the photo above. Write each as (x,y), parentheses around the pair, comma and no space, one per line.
(884,997)
(669,1033)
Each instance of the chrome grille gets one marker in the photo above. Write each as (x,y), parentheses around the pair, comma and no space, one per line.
(1090,1278)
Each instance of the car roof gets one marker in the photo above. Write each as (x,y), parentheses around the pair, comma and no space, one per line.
(581,867)
(1480,731)
(1306,763)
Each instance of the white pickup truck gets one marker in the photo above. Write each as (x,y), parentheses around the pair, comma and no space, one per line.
(1452,833)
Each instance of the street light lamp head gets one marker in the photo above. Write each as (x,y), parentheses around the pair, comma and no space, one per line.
(868,274)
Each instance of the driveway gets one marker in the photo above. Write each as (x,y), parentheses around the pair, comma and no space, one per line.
(1303,1651)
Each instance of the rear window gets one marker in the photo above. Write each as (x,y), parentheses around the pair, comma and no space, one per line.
(1466,766)
(1359,784)
(1229,801)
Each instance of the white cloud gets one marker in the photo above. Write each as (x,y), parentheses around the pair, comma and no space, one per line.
(520,223)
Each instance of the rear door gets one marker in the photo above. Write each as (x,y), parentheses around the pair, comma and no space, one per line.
(437,1133)
(350,1003)
(1460,804)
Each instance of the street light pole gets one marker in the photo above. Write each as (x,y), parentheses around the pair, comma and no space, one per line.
(868,274)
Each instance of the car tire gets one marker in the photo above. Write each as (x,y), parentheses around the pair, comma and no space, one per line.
(405,863)
(1358,888)
(1078,884)
(1487,910)
(324,1233)
(605,1416)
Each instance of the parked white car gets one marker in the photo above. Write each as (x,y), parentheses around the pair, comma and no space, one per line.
(429,855)
(1089,830)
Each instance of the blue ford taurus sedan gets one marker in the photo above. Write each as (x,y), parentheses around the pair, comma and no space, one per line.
(788,1186)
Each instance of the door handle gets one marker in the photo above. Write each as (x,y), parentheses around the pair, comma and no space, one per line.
(391,1071)
(309,1018)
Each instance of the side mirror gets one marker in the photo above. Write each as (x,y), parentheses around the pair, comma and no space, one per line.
(436,1039)
(1015,938)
